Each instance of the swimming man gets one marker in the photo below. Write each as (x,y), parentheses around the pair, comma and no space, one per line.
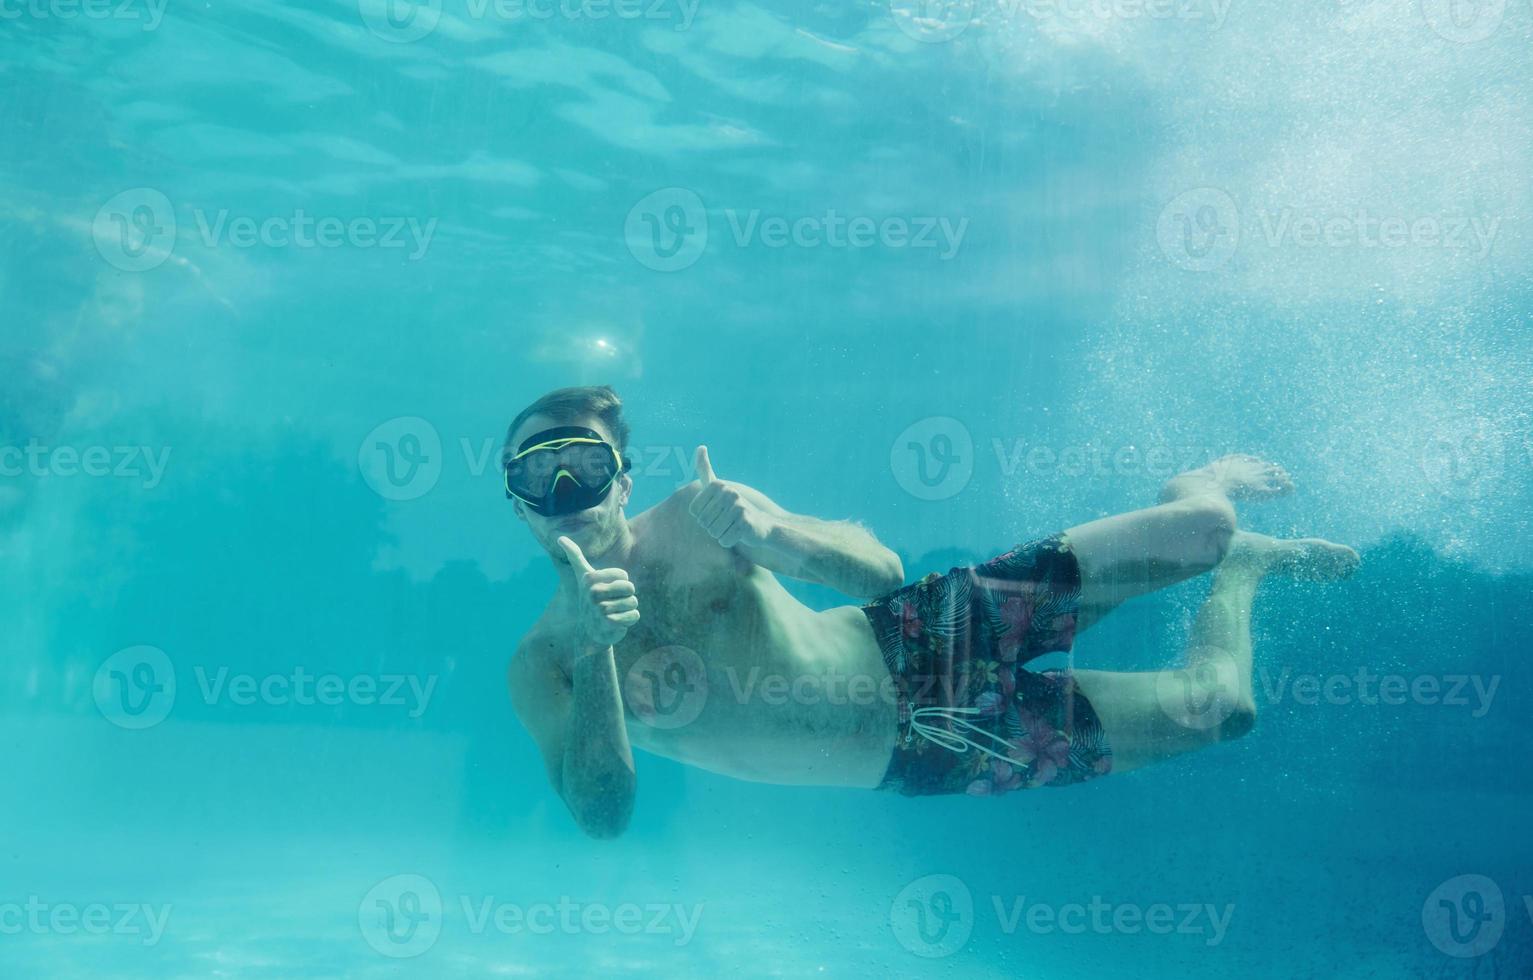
(671,632)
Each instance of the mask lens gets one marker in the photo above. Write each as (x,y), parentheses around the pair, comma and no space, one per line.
(593,465)
(534,475)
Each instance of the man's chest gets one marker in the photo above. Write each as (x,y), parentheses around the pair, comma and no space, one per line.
(691,602)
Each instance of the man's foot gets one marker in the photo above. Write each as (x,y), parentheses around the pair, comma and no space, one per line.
(1309,559)
(1237,476)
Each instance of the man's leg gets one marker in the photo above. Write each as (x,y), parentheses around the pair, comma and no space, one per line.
(1188,534)
(1156,715)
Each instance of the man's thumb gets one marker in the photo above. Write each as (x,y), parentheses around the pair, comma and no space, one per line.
(576,557)
(704,468)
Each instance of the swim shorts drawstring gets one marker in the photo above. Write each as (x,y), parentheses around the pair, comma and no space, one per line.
(952,741)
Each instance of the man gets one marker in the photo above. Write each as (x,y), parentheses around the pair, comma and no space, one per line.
(670,631)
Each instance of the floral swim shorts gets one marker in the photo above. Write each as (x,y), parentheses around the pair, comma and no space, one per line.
(972,718)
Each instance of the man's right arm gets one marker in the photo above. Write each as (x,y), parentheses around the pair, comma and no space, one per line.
(576,718)
(566,691)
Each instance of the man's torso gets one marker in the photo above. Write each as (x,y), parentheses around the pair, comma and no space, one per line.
(785,694)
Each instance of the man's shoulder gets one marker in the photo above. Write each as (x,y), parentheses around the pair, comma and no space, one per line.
(547,627)
(666,535)
(671,513)
(540,640)
(675,503)
(535,662)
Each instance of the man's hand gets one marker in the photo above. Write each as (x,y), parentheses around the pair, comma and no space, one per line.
(608,604)
(725,513)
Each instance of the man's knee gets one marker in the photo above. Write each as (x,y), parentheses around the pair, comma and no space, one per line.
(1225,707)
(1211,522)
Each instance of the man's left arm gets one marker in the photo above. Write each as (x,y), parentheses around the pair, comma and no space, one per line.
(838,554)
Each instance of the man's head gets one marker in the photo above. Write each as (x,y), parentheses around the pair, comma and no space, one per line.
(557,414)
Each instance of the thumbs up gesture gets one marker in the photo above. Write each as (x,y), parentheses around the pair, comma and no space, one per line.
(608,605)
(727,511)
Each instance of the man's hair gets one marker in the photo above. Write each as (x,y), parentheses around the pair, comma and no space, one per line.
(572,405)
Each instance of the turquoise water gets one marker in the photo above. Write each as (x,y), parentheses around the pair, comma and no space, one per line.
(275,278)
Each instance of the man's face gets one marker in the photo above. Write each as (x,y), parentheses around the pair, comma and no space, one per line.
(596,529)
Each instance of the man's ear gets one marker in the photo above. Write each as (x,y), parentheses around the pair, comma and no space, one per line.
(625,489)
(520,513)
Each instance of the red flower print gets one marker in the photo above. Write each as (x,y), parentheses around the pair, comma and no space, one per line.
(1002,778)
(1008,679)
(1041,746)
(910,620)
(1017,614)
(990,704)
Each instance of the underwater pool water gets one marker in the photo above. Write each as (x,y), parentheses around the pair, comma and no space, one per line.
(276,277)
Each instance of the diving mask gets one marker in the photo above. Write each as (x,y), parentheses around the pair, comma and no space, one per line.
(563,470)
